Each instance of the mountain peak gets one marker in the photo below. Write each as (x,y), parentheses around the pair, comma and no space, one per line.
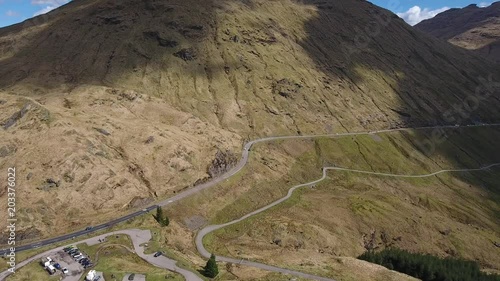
(472,27)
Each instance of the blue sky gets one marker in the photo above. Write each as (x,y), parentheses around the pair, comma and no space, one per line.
(413,11)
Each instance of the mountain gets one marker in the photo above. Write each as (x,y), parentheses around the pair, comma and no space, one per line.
(107,105)
(472,28)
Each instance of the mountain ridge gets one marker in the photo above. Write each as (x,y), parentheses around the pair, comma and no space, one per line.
(472,27)
(135,99)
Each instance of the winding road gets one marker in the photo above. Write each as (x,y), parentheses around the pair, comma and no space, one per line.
(211,228)
(243,161)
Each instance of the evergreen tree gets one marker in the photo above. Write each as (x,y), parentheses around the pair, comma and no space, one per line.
(159,214)
(211,269)
(160,218)
(428,267)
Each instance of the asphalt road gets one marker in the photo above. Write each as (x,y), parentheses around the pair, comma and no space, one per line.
(243,161)
(211,228)
(138,238)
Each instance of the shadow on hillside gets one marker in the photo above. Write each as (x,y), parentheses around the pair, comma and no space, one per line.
(110,43)
(434,83)
(395,69)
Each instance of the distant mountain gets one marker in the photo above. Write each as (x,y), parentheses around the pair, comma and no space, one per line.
(472,27)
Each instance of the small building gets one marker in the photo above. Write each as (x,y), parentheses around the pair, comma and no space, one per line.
(91,275)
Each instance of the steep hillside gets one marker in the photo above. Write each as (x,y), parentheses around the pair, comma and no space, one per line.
(471,28)
(107,106)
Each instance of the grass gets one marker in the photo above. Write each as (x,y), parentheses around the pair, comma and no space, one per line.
(371,201)
(31,272)
(433,203)
(118,262)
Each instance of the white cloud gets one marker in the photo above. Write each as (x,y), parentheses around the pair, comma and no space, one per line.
(11,13)
(416,14)
(49,2)
(484,4)
(50,5)
(44,10)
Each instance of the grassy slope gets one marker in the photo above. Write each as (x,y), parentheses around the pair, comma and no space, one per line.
(261,68)
(335,218)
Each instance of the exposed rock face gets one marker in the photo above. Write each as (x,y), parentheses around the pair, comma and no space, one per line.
(7,150)
(17,116)
(223,162)
(186,54)
(472,28)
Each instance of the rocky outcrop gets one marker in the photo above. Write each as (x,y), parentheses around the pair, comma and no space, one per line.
(223,162)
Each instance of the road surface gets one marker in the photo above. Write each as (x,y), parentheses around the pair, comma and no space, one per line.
(243,161)
(138,238)
(211,228)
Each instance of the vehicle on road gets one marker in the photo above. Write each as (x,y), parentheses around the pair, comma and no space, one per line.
(89,227)
(157,254)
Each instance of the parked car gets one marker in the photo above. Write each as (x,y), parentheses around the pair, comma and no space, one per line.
(157,254)
(57,266)
(97,278)
(69,248)
(88,265)
(76,254)
(65,270)
(79,258)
